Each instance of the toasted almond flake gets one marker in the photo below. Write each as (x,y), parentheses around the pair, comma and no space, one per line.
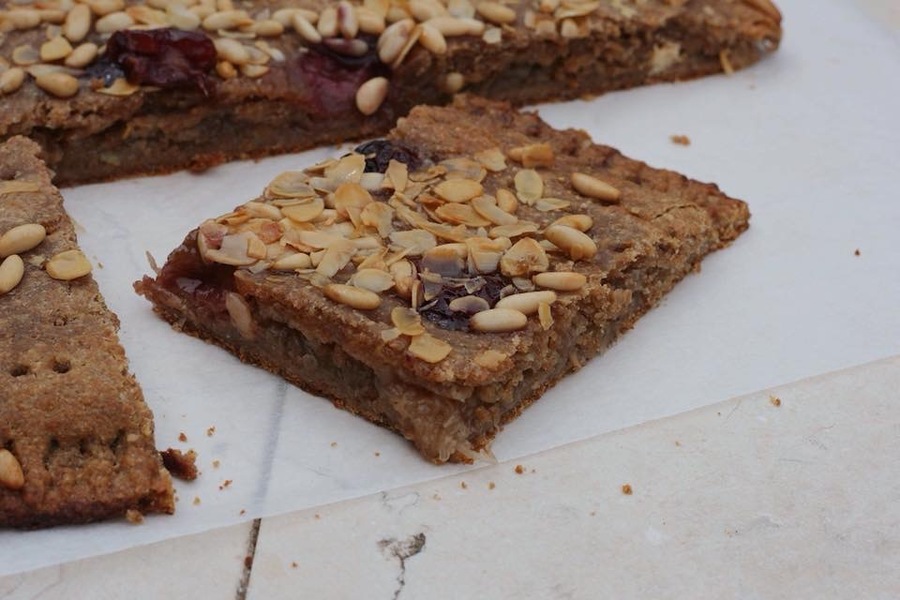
(337,256)
(371,95)
(12,269)
(513,231)
(292,261)
(82,55)
(496,13)
(68,265)
(446,260)
(462,214)
(407,321)
(492,159)
(524,257)
(11,80)
(458,190)
(397,175)
(575,243)
(374,280)
(561,281)
(119,87)
(290,184)
(490,359)
(464,168)
(416,241)
(486,206)
(594,187)
(498,320)
(527,302)
(350,194)
(11,474)
(353,297)
(429,348)
(61,85)
(389,335)
(529,186)
(261,209)
(22,238)
(404,274)
(348,168)
(579,222)
(550,204)
(507,201)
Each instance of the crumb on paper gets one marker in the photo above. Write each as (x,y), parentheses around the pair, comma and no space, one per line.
(519,469)
(182,437)
(678,443)
(681,140)
(725,61)
(317,516)
(334,444)
(294,564)
(216,463)
(775,400)
(593,513)
(210,431)
(491,485)
(243,512)
(463,485)
(626,489)
(225,484)
(377,453)
(196,501)
(134,516)
(182,465)
(857,252)
(436,496)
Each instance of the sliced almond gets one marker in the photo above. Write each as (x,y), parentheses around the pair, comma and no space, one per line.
(429,348)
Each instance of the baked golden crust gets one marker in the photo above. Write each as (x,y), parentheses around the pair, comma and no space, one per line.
(72,417)
(305,281)
(279,90)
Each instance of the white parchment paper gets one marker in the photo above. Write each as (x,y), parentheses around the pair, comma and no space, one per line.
(810,138)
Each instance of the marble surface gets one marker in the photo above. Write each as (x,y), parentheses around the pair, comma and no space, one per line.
(738,499)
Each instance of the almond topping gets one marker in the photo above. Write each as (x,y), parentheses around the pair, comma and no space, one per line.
(11,475)
(429,348)
(68,265)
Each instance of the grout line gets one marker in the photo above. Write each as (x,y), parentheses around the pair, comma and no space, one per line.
(248,561)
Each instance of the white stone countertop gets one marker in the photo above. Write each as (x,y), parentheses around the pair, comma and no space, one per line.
(791,492)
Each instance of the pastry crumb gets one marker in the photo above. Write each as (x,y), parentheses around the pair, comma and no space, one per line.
(134,516)
(182,437)
(210,431)
(626,489)
(294,564)
(243,512)
(216,463)
(196,501)
(225,484)
(857,252)
(519,469)
(182,465)
(491,485)
(681,140)
(377,453)
(463,485)
(775,400)
(317,516)
(334,444)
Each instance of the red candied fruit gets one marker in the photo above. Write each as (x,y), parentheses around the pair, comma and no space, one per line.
(166,57)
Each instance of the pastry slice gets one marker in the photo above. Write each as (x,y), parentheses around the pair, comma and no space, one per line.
(76,438)
(438,281)
(128,87)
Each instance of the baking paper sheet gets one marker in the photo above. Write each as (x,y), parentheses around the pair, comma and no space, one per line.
(810,138)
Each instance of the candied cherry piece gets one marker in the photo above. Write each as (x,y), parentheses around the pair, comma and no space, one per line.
(379,154)
(164,57)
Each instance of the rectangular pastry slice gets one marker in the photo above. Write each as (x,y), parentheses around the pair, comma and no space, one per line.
(438,281)
(126,87)
(76,438)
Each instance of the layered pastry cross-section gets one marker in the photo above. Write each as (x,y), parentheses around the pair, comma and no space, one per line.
(76,437)
(116,88)
(438,281)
